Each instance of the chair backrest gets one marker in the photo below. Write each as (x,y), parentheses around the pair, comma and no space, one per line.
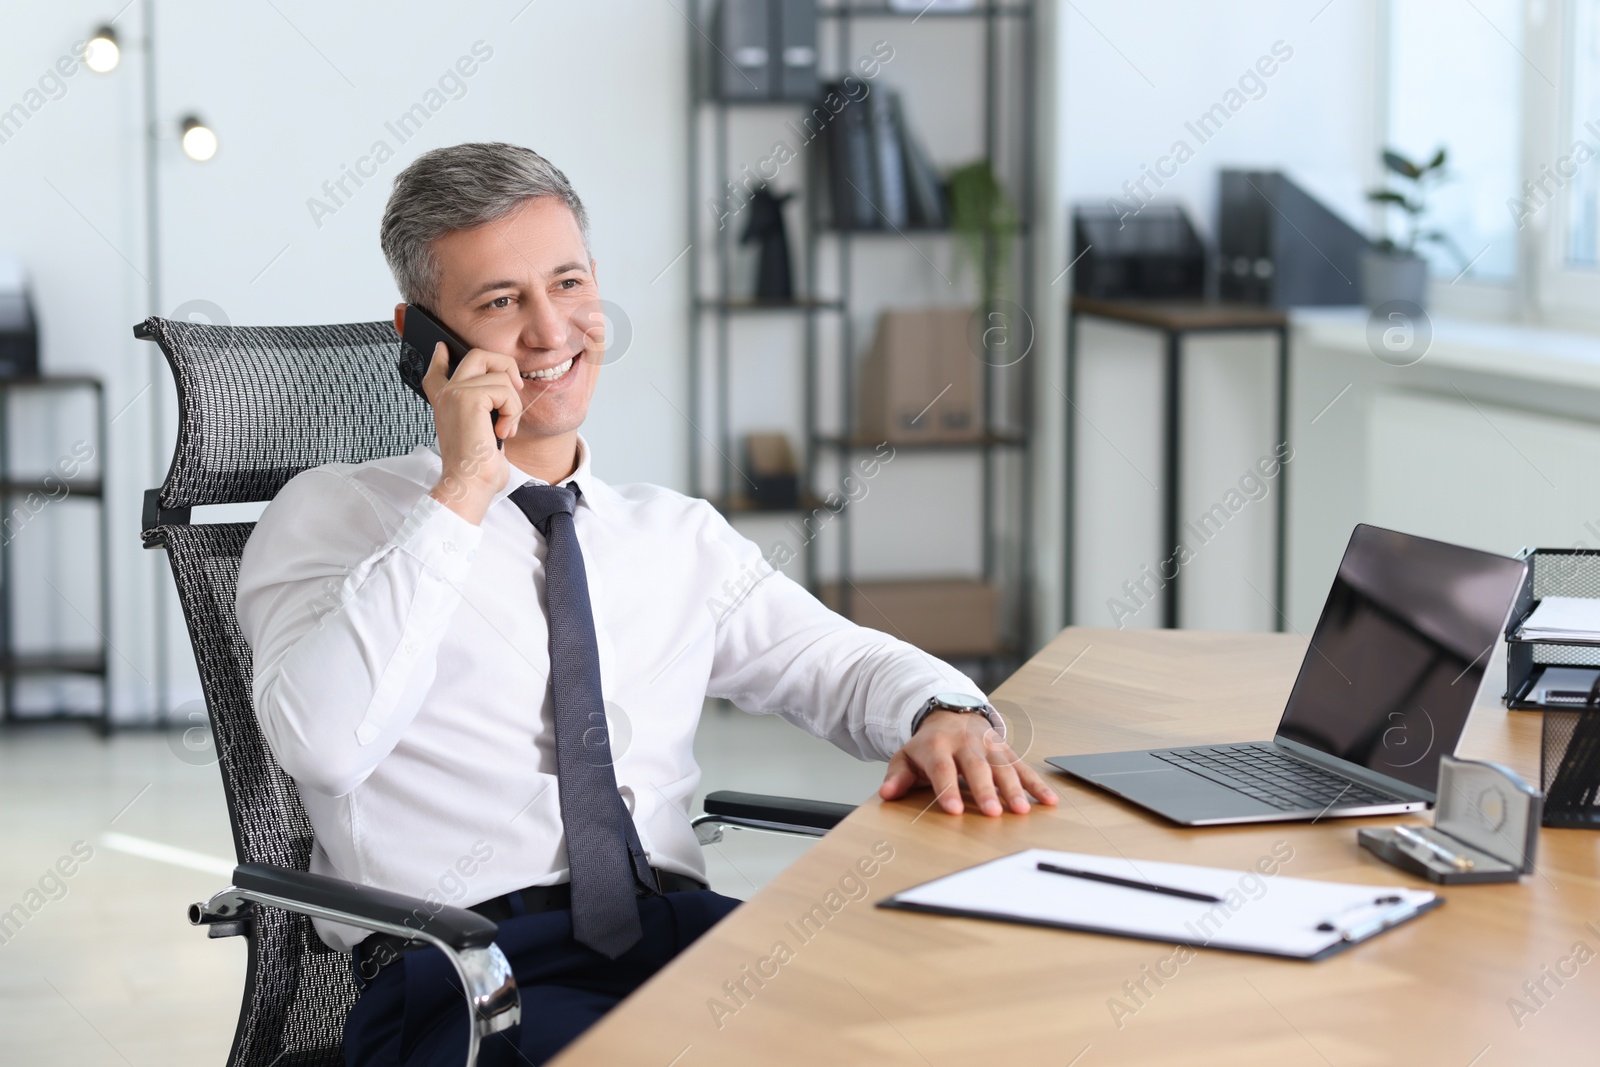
(258,405)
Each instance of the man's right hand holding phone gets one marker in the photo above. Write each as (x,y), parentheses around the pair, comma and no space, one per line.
(474,468)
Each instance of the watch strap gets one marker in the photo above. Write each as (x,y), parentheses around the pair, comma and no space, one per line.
(988,711)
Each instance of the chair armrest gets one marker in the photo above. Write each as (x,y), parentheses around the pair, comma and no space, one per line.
(465,937)
(791,815)
(366,907)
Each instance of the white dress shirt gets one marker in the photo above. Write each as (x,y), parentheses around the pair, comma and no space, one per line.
(402,670)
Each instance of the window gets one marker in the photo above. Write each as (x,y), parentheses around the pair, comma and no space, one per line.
(1581,234)
(1559,198)
(1455,76)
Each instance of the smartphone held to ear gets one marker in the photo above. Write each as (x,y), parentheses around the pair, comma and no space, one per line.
(422,334)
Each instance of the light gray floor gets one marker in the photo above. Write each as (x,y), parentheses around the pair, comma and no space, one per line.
(107,970)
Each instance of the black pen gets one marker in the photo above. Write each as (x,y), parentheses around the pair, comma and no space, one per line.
(1148,887)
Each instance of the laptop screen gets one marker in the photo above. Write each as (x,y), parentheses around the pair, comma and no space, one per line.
(1396,659)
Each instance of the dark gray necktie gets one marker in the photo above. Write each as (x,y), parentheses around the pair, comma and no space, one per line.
(603,849)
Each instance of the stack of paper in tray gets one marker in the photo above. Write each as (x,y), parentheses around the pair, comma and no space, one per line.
(1564,618)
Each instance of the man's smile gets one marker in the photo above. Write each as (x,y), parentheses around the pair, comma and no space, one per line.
(550,374)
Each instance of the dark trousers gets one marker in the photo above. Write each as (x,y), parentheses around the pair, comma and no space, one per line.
(413,1013)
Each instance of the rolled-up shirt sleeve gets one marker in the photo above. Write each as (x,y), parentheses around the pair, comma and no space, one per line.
(780,651)
(344,603)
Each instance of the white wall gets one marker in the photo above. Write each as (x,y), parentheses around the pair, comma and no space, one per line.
(70,179)
(1137,71)
(1491,440)
(598,87)
(1135,74)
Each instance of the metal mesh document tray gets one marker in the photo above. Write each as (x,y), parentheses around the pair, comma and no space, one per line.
(1571,572)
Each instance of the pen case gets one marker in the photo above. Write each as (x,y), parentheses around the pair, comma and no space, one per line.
(1486,816)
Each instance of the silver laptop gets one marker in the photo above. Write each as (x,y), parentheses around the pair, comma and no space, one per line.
(1383,693)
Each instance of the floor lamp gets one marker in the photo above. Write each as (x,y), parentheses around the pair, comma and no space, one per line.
(102,54)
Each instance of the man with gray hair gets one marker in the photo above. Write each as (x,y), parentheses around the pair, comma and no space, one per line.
(484,666)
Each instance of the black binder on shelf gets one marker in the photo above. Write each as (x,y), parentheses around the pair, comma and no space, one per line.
(924,188)
(876,175)
(889,160)
(796,55)
(849,167)
(1279,246)
(765,50)
(742,64)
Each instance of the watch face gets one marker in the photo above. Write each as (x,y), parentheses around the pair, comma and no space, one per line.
(960,701)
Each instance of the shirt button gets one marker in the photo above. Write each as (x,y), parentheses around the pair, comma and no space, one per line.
(450,548)
(411,648)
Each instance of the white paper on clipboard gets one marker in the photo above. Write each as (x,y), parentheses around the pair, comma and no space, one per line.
(1275,916)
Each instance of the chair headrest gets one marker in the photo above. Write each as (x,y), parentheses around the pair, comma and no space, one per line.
(259,404)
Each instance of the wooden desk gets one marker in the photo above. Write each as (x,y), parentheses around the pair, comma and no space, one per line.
(889,988)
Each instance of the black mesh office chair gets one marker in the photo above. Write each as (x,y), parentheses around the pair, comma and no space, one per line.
(258,405)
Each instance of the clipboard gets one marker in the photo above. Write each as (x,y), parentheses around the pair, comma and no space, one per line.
(1290,918)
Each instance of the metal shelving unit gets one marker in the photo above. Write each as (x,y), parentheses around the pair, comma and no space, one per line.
(1006,432)
(91,662)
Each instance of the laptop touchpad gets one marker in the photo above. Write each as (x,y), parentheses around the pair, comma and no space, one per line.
(1161,787)
(1182,796)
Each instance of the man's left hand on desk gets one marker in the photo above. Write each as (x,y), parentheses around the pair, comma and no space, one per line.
(948,744)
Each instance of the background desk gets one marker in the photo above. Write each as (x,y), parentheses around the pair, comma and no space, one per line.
(891,988)
(1175,320)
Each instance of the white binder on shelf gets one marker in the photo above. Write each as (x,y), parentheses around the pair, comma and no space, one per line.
(1174,903)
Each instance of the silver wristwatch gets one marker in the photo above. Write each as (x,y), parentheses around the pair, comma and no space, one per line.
(960,702)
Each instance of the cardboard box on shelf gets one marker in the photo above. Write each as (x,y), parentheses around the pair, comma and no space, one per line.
(920,380)
(770,466)
(954,617)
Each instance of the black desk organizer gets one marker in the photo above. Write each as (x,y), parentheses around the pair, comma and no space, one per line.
(1569,754)
(1551,572)
(1569,768)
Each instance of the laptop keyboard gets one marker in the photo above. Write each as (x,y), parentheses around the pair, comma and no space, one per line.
(1274,778)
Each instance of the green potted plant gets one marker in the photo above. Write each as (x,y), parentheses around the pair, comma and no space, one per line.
(1392,269)
(986,222)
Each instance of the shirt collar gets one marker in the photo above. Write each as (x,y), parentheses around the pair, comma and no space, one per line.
(596,494)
